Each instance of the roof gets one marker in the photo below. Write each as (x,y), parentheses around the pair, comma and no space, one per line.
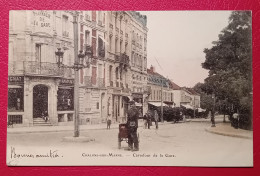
(149,71)
(173,85)
(191,91)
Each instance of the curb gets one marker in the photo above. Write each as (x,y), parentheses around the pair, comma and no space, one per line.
(228,134)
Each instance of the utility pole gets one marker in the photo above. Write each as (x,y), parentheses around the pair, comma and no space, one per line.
(161,102)
(76,85)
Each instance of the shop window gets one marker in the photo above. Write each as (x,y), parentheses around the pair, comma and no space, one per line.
(15,99)
(15,119)
(65,99)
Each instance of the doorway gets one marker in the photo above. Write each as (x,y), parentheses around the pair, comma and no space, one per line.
(40,100)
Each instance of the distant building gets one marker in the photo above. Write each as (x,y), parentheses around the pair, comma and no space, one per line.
(160,91)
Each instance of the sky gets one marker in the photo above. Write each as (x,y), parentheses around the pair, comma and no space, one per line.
(176,40)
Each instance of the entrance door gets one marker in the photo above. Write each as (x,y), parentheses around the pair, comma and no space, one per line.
(40,100)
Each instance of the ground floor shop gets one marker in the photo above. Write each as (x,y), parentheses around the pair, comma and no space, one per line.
(30,98)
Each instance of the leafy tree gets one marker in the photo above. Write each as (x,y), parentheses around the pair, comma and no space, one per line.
(229,62)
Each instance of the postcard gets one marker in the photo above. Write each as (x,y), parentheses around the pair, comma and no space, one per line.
(130,88)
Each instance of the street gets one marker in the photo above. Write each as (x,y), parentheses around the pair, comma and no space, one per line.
(179,144)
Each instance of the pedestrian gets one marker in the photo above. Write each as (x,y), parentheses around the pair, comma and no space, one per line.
(45,116)
(109,121)
(145,120)
(156,118)
(236,120)
(149,119)
(132,125)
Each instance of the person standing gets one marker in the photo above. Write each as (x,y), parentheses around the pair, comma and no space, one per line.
(132,125)
(145,120)
(109,121)
(156,118)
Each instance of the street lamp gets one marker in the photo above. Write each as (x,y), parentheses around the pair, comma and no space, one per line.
(82,60)
(59,55)
(213,111)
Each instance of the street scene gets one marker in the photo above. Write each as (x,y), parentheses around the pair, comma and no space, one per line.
(130,88)
(181,141)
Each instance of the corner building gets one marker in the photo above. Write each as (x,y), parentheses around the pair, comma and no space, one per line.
(35,82)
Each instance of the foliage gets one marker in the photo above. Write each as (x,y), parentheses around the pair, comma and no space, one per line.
(229,64)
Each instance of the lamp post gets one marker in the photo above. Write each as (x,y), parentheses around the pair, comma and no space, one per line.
(82,60)
(213,111)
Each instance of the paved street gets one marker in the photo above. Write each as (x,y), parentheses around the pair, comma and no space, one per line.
(188,142)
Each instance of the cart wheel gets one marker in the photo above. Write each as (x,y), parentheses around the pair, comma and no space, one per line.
(119,142)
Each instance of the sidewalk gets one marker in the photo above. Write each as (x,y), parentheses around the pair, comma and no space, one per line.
(221,128)
(40,129)
(227,130)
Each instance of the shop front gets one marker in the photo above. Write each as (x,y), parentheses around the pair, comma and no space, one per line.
(15,100)
(65,102)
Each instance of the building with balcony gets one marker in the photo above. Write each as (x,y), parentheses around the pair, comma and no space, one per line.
(92,91)
(126,64)
(36,85)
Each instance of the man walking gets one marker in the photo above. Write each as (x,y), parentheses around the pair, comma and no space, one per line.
(132,124)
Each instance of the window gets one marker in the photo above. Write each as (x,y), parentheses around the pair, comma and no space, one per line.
(38,52)
(110,43)
(15,99)
(97,105)
(117,76)
(87,38)
(110,75)
(94,76)
(65,26)
(65,99)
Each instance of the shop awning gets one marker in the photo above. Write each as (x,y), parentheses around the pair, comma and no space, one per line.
(187,106)
(157,104)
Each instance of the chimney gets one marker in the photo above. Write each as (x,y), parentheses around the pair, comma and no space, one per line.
(152,68)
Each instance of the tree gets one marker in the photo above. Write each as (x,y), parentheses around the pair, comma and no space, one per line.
(229,62)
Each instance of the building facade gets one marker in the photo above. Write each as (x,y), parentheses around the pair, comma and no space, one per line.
(35,82)
(125,62)
(160,91)
(115,74)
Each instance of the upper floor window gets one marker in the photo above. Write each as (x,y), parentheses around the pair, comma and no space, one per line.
(87,37)
(65,26)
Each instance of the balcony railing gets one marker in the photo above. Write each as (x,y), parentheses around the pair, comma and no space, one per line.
(122,58)
(45,69)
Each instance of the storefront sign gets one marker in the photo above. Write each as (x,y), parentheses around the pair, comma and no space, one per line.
(67,82)
(16,79)
(42,21)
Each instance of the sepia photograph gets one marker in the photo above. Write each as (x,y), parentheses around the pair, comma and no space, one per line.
(130,88)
